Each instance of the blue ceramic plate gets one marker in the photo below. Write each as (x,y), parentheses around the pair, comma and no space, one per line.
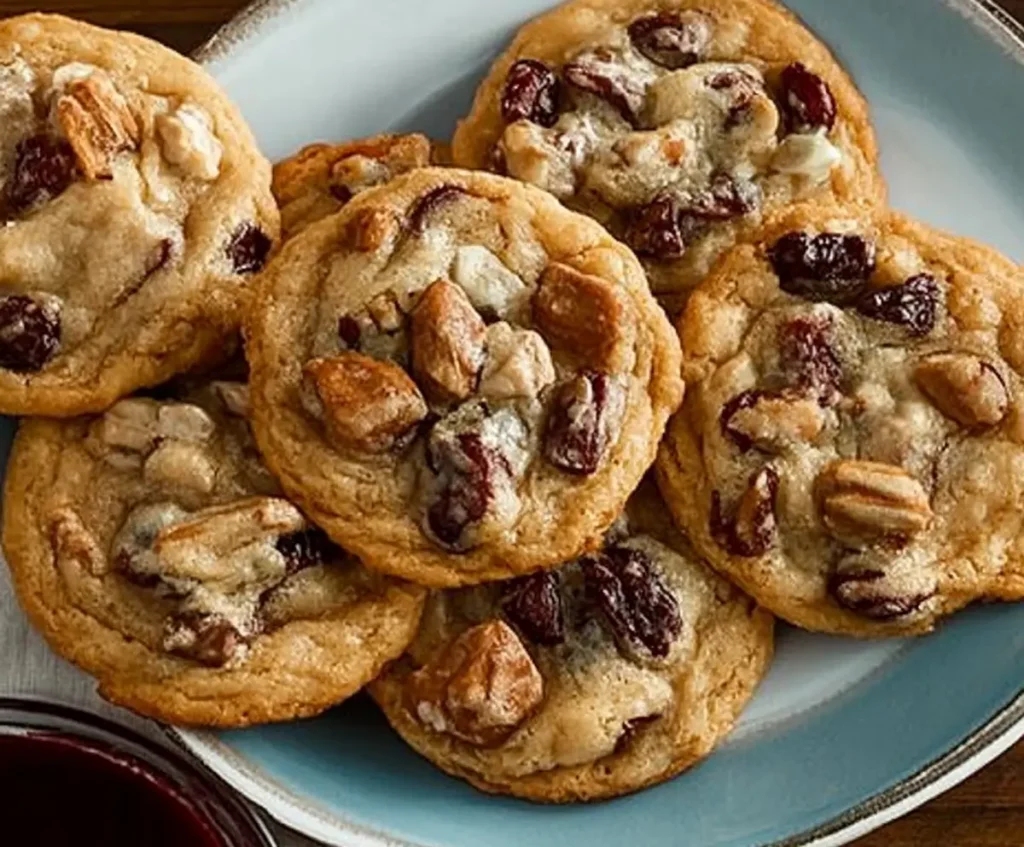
(843,736)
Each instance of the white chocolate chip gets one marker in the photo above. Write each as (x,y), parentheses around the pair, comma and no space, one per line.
(812,156)
(490,286)
(67,74)
(179,465)
(187,140)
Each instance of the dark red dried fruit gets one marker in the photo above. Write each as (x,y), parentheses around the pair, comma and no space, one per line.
(632,728)
(341,193)
(829,267)
(808,358)
(750,531)
(430,201)
(307,549)
(725,198)
(634,600)
(29,335)
(667,40)
(471,467)
(575,437)
(655,230)
(746,400)
(349,331)
(204,637)
(611,82)
(913,305)
(44,167)
(533,604)
(248,249)
(862,592)
(124,564)
(807,101)
(532,93)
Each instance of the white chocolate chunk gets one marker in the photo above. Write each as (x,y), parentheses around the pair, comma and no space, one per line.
(188,141)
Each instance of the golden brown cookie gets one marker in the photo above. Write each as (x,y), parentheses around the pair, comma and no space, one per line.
(459,379)
(134,208)
(321,178)
(610,674)
(679,124)
(852,450)
(152,548)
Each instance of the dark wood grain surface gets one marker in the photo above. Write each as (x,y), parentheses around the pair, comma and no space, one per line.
(986,811)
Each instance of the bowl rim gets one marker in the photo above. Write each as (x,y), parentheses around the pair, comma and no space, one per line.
(947,770)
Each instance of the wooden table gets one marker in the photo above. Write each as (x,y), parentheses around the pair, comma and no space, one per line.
(986,811)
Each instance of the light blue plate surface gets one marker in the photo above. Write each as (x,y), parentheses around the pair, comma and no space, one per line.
(843,736)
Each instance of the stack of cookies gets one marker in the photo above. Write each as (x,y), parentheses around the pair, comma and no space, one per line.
(432,472)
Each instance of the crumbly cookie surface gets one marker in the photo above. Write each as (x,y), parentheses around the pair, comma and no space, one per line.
(321,178)
(459,379)
(679,124)
(851,452)
(151,547)
(609,674)
(134,208)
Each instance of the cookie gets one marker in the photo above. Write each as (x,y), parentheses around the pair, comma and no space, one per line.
(134,208)
(679,124)
(851,451)
(152,548)
(321,178)
(612,673)
(459,379)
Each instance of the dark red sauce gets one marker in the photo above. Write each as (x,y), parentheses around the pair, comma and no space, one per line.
(60,791)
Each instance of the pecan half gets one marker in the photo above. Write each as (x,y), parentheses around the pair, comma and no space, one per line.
(368,404)
(98,124)
(864,503)
(447,343)
(480,688)
(964,387)
(585,316)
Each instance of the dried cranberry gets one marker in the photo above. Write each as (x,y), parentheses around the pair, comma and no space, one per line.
(828,267)
(469,490)
(205,637)
(807,101)
(44,167)
(726,197)
(913,305)
(248,249)
(428,203)
(863,592)
(610,81)
(575,437)
(306,549)
(349,331)
(631,728)
(746,400)
(750,532)
(532,93)
(341,193)
(667,40)
(636,603)
(808,357)
(124,564)
(655,230)
(29,335)
(534,605)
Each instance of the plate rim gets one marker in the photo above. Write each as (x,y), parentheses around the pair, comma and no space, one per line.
(947,770)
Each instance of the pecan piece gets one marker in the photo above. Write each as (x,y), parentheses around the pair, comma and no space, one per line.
(98,124)
(480,688)
(447,343)
(772,421)
(864,503)
(368,404)
(586,316)
(752,530)
(964,387)
(518,364)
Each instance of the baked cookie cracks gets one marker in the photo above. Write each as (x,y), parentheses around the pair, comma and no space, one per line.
(851,451)
(609,674)
(679,124)
(152,548)
(135,206)
(458,379)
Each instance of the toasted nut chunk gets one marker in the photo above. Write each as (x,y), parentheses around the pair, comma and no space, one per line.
(480,688)
(491,287)
(368,404)
(965,388)
(130,425)
(97,122)
(184,422)
(755,528)
(234,396)
(779,421)
(586,317)
(385,312)
(370,228)
(518,363)
(866,502)
(447,343)
(188,141)
(531,155)
(180,465)
(73,542)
